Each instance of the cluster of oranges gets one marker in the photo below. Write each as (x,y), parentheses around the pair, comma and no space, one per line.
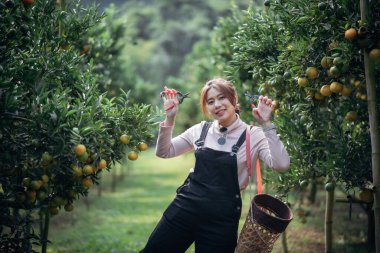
(133,154)
(335,66)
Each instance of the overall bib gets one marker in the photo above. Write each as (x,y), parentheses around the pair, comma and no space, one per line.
(207,207)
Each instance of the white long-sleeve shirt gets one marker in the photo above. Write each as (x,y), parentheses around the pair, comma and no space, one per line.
(266,146)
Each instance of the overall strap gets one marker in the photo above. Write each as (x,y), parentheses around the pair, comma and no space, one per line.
(202,138)
(238,144)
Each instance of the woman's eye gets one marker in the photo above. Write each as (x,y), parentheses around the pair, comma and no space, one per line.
(210,102)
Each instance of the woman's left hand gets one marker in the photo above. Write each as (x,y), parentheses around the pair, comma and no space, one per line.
(262,113)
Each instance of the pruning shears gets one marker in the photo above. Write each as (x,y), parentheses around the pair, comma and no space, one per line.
(180,95)
(253,98)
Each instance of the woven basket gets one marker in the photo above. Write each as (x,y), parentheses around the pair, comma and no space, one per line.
(267,218)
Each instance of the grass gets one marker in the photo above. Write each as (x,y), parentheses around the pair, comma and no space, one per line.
(122,221)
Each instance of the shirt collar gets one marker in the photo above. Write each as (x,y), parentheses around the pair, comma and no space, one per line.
(231,127)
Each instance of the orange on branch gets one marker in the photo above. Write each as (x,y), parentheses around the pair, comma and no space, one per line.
(366,195)
(351,116)
(336,87)
(102,164)
(312,72)
(326,62)
(346,91)
(350,34)
(374,54)
(302,81)
(142,146)
(87,182)
(124,139)
(325,90)
(132,155)
(80,150)
(68,207)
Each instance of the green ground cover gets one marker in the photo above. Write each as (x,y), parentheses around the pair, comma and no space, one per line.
(121,221)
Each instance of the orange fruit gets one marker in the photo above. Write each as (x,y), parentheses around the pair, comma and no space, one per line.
(318,96)
(83,157)
(338,61)
(357,83)
(68,207)
(325,90)
(142,146)
(36,184)
(351,116)
(45,178)
(26,182)
(46,157)
(336,87)
(346,91)
(334,71)
(87,182)
(363,97)
(302,81)
(77,171)
(88,169)
(124,139)
(351,34)
(329,187)
(132,155)
(326,62)
(333,45)
(31,195)
(41,195)
(53,210)
(366,195)
(312,72)
(374,54)
(80,150)
(102,164)
(304,184)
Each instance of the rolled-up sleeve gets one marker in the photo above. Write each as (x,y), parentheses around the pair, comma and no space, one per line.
(270,149)
(167,146)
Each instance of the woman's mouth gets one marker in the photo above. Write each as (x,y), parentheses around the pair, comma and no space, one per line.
(219,113)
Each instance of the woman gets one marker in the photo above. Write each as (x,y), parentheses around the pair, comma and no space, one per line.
(207,207)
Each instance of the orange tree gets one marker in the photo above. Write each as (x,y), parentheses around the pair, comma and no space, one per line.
(58,132)
(308,55)
(298,54)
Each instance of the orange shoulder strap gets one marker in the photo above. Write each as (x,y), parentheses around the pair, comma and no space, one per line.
(248,155)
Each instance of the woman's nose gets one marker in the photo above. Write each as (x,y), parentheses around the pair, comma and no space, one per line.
(216,104)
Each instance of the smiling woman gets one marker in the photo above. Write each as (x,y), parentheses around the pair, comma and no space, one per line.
(207,206)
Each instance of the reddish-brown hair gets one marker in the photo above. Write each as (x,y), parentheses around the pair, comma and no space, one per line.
(224,86)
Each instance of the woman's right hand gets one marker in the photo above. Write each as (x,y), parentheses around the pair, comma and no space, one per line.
(171,105)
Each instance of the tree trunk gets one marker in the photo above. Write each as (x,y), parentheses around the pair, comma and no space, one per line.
(114,179)
(44,236)
(313,191)
(99,187)
(374,128)
(329,221)
(371,228)
(284,243)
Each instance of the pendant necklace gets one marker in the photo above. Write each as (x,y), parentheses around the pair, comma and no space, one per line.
(222,139)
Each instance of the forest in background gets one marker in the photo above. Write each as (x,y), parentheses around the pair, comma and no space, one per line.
(155,37)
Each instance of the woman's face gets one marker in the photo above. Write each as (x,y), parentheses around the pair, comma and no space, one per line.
(220,108)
